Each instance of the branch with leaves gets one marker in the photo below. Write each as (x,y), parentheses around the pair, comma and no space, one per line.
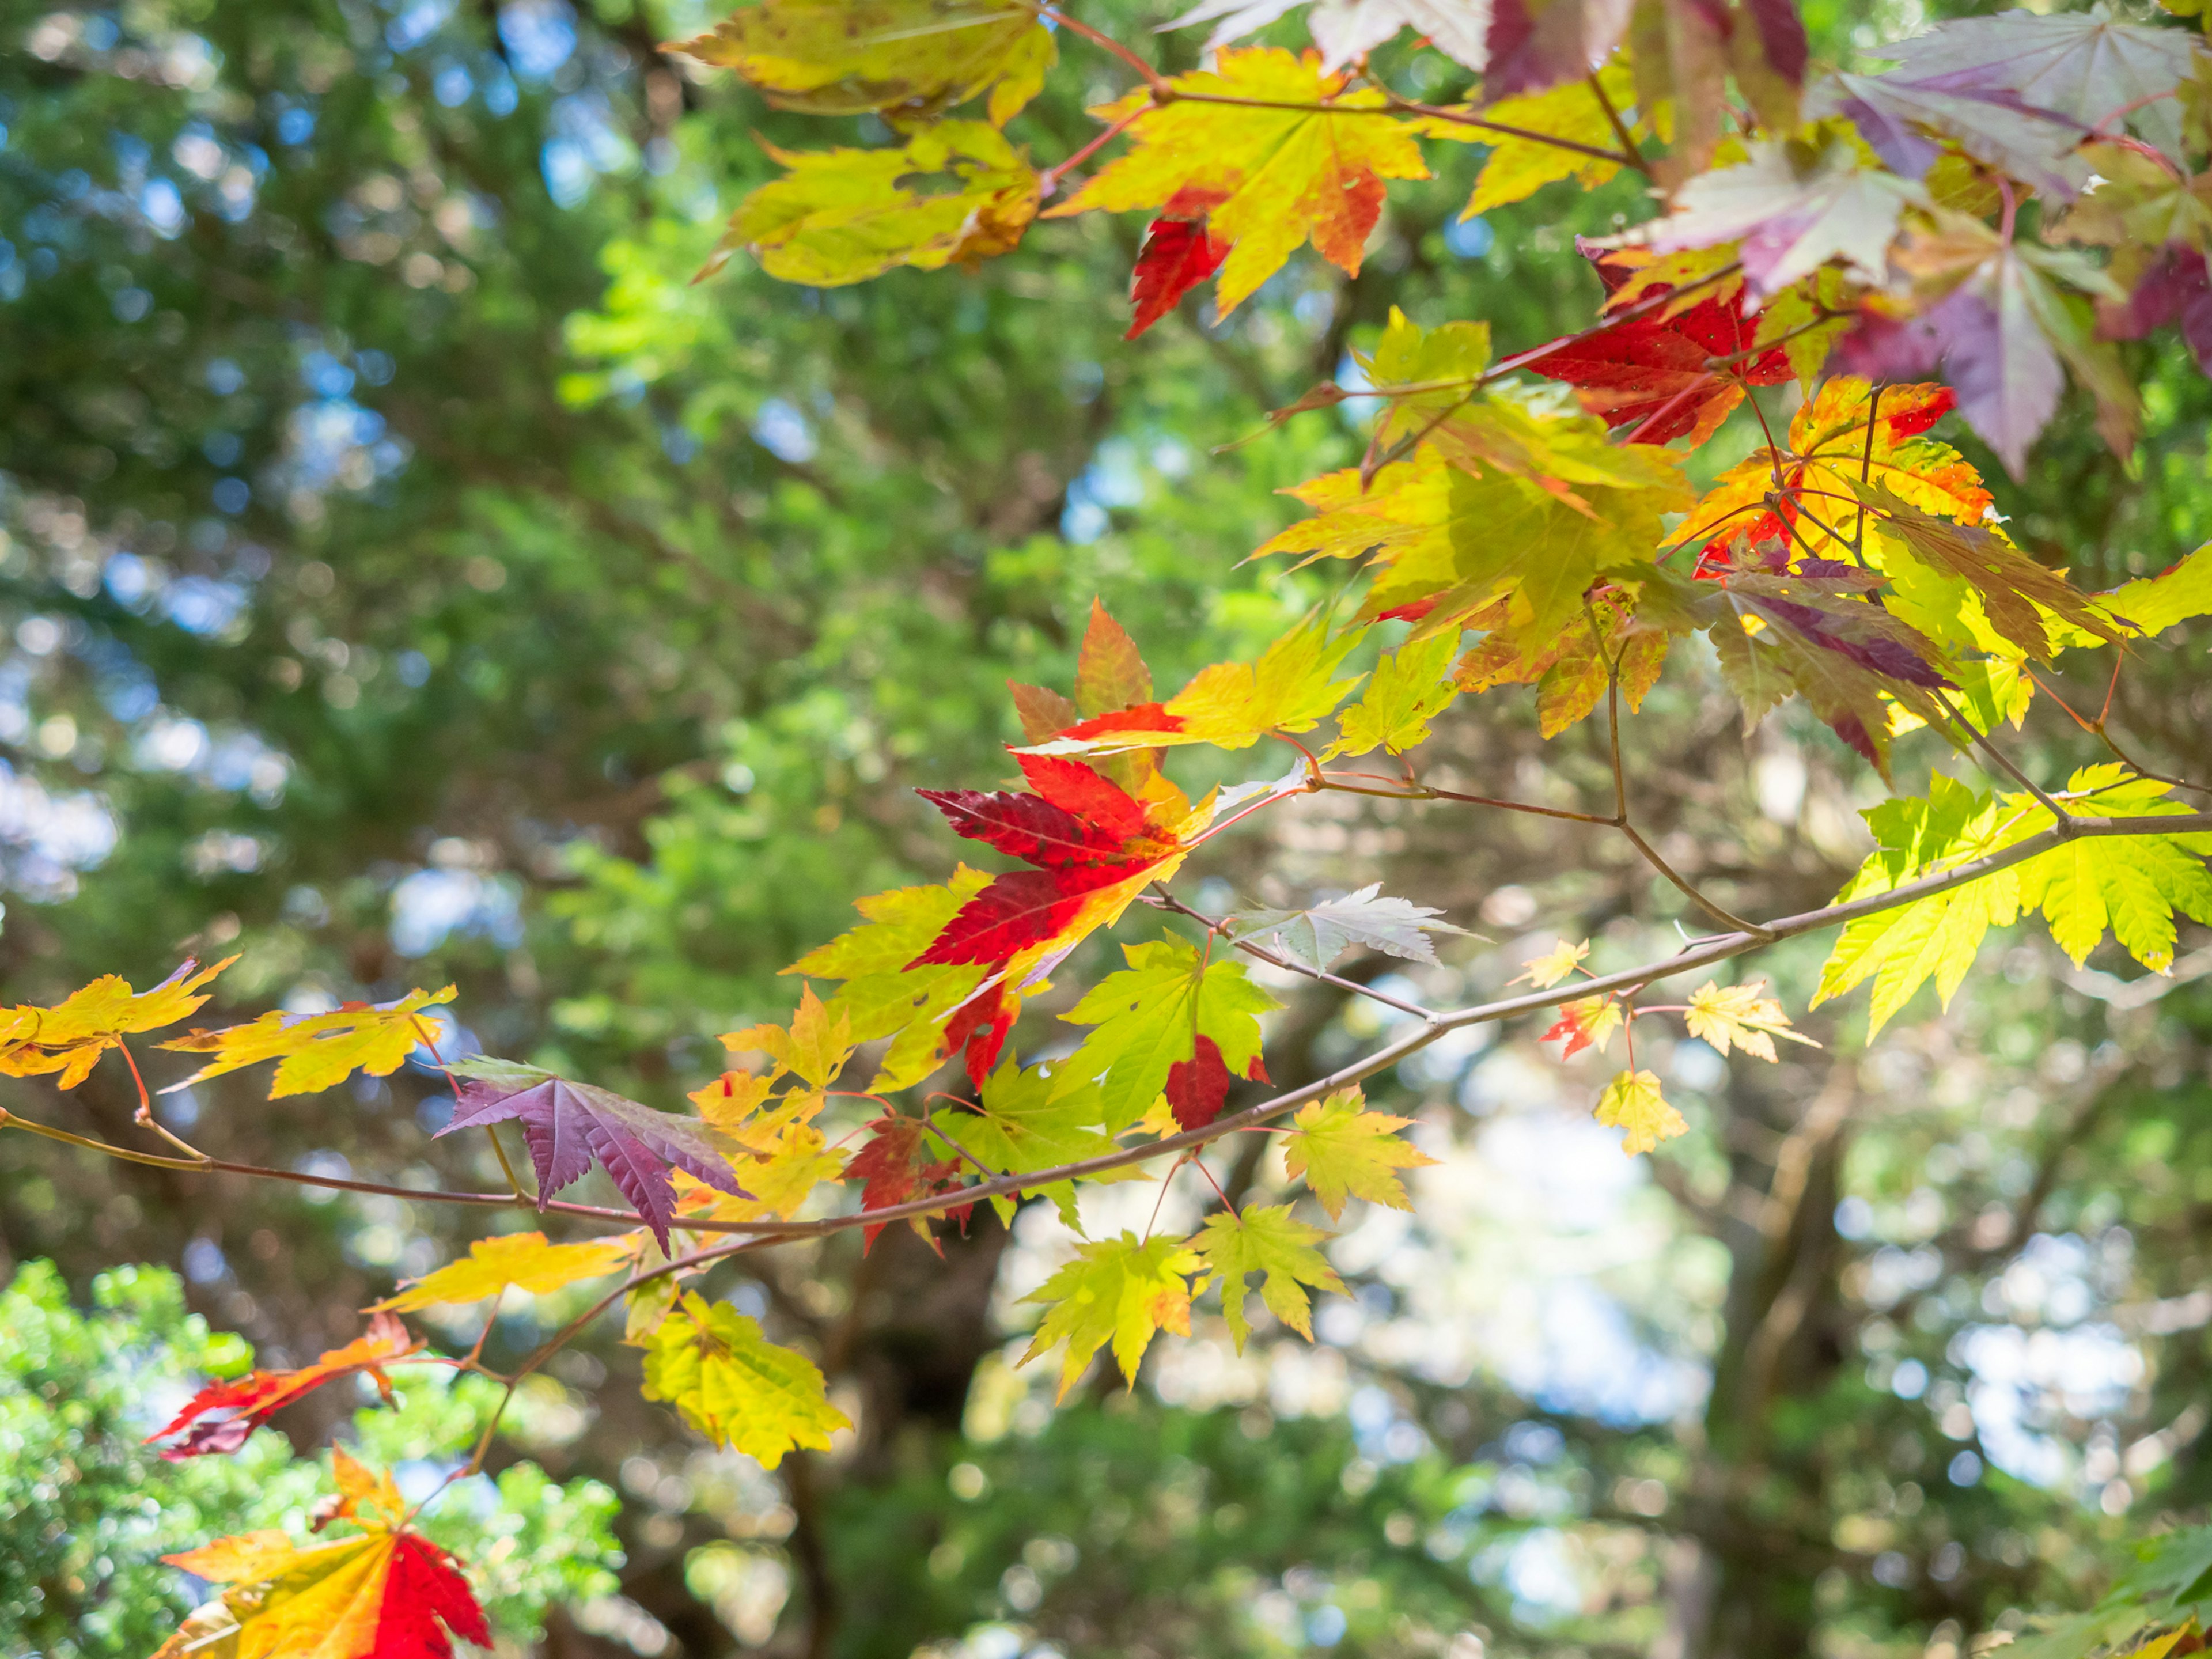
(1518,520)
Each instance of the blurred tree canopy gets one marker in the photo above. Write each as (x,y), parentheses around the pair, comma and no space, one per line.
(408,574)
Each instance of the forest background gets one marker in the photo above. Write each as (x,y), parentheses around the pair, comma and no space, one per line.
(405,566)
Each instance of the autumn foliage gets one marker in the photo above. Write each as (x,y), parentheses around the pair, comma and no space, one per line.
(1523,524)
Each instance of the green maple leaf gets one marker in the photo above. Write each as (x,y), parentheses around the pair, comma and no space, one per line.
(1408,688)
(883,997)
(1149,1016)
(2133,884)
(735,1386)
(2154,604)
(1032,1120)
(1266,1242)
(1345,1153)
(1119,1291)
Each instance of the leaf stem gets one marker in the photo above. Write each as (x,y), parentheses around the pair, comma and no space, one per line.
(1620,127)
(1161,899)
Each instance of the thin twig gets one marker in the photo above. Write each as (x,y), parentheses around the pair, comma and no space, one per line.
(1153,77)
(1620,127)
(1621,820)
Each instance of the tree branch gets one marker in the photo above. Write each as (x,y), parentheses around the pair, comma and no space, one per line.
(1702,954)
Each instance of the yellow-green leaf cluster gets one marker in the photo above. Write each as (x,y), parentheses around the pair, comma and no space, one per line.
(735,1386)
(1345,1151)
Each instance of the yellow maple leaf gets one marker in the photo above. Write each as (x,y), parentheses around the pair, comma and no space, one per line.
(318,1051)
(1739,1015)
(911,59)
(1555,964)
(525,1260)
(70,1037)
(785,1167)
(735,1386)
(1269,179)
(1119,1291)
(1517,168)
(1345,1153)
(1632,1102)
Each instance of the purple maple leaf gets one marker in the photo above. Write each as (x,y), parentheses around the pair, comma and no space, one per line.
(568,1125)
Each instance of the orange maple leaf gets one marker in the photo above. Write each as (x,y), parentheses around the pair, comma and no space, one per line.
(253,1398)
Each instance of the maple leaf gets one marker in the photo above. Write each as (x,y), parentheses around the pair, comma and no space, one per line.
(1196,1089)
(1533,508)
(568,1126)
(907,59)
(1266,1241)
(387,1593)
(885,998)
(1534,44)
(1149,1016)
(1653,372)
(1555,964)
(1821,636)
(2134,886)
(2174,287)
(1409,688)
(1683,51)
(2015,591)
(318,1051)
(1362,919)
(1344,1151)
(2000,333)
(780,1173)
(2154,604)
(1793,207)
(1024,1121)
(70,1037)
(252,1399)
(814,1047)
(2019,92)
(1847,431)
(735,1386)
(1119,1291)
(956,193)
(1739,1015)
(894,1167)
(2138,198)
(1097,846)
(1572,669)
(1588,1022)
(1632,1102)
(1345,29)
(1284,176)
(1178,254)
(1517,168)
(525,1260)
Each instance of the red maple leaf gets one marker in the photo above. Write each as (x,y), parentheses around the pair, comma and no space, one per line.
(1074,787)
(254,1398)
(424,1596)
(983,1023)
(1145,717)
(1659,373)
(1082,830)
(1178,255)
(892,1169)
(1197,1087)
(1020,908)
